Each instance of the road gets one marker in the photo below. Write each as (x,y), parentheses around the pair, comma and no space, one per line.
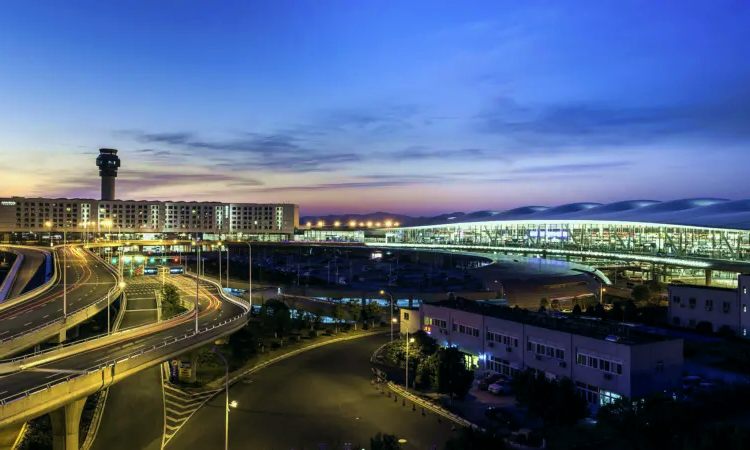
(322,396)
(136,403)
(212,310)
(32,260)
(87,281)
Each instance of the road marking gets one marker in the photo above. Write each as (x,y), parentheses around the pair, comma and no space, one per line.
(45,316)
(3,333)
(27,324)
(59,310)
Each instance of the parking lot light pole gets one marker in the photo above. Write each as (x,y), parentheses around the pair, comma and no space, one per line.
(408,340)
(197,281)
(390,297)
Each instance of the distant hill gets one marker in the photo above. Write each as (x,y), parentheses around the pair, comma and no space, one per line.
(377,217)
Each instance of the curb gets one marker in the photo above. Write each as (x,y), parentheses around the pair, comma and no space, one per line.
(423,403)
(266,364)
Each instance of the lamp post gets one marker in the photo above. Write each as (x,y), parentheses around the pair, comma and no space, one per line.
(226,391)
(65,267)
(249,272)
(197,281)
(220,285)
(122,286)
(390,297)
(408,340)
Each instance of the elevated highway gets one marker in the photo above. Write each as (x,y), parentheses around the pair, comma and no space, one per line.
(59,381)
(32,259)
(83,288)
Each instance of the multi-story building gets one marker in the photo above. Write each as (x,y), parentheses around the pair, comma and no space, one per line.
(239,220)
(720,307)
(606,361)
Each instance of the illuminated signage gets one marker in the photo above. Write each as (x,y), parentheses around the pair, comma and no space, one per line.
(150,271)
(174,270)
(9,203)
(428,329)
(549,234)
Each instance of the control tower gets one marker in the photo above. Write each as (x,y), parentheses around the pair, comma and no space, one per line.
(108,162)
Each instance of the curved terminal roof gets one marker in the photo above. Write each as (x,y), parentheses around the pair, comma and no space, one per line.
(698,212)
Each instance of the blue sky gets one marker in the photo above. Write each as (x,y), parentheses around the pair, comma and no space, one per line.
(415,107)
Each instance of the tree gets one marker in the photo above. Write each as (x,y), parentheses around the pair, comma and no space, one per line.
(337,313)
(555,403)
(170,301)
(641,294)
(577,310)
(599,310)
(617,311)
(371,311)
(355,311)
(544,303)
(472,439)
(590,310)
(427,372)
(384,442)
(704,327)
(630,312)
(453,378)
(275,316)
(555,305)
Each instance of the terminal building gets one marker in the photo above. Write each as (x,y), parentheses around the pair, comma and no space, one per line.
(606,361)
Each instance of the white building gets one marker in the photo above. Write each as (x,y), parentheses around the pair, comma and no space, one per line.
(606,361)
(721,307)
(241,220)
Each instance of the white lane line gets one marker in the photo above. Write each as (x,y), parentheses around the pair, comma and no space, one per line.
(3,333)
(11,318)
(27,324)
(45,316)
(59,310)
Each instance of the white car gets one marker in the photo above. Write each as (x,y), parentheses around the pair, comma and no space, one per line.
(500,387)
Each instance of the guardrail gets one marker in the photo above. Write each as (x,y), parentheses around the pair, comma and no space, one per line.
(10,277)
(111,363)
(46,286)
(74,317)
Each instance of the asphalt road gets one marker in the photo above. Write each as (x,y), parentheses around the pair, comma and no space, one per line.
(32,260)
(323,396)
(87,280)
(212,310)
(135,406)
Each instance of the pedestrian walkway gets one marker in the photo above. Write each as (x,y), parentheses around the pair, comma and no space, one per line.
(179,406)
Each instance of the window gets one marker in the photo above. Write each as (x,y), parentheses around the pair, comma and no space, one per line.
(546,350)
(676,299)
(709,305)
(692,302)
(602,364)
(467,330)
(406,316)
(726,307)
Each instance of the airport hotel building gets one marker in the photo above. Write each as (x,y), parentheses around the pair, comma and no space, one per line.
(605,361)
(147,219)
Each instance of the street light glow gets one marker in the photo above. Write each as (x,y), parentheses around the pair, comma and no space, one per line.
(353,223)
(321,223)
(233,404)
(337,224)
(122,285)
(388,223)
(48,224)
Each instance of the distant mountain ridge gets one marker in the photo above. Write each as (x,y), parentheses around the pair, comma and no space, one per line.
(381,217)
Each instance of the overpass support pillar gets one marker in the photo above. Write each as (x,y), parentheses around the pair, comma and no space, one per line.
(65,334)
(66,422)
(188,366)
(709,274)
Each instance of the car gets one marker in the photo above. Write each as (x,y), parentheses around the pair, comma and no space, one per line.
(498,415)
(499,387)
(485,383)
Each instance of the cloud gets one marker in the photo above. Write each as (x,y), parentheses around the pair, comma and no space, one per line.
(420,152)
(374,121)
(574,168)
(601,125)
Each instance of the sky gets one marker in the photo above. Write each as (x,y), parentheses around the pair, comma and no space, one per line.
(355,106)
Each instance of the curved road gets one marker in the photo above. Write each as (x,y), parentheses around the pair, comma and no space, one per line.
(87,281)
(212,310)
(322,396)
(33,259)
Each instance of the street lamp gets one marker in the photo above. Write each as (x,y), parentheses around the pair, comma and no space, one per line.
(390,296)
(220,285)
(408,340)
(197,281)
(65,267)
(226,390)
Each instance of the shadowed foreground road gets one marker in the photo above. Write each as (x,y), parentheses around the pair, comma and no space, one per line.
(321,396)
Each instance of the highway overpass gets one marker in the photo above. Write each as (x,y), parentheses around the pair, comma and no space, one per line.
(86,285)
(29,261)
(58,382)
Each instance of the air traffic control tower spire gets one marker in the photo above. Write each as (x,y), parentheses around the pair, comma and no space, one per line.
(108,163)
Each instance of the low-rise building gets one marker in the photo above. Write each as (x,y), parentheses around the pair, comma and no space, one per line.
(240,220)
(720,307)
(605,360)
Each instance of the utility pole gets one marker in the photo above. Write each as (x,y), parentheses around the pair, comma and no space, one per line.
(197,281)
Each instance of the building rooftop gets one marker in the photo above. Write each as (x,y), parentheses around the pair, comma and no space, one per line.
(578,325)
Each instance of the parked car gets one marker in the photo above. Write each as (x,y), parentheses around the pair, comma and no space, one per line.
(499,387)
(498,415)
(488,381)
